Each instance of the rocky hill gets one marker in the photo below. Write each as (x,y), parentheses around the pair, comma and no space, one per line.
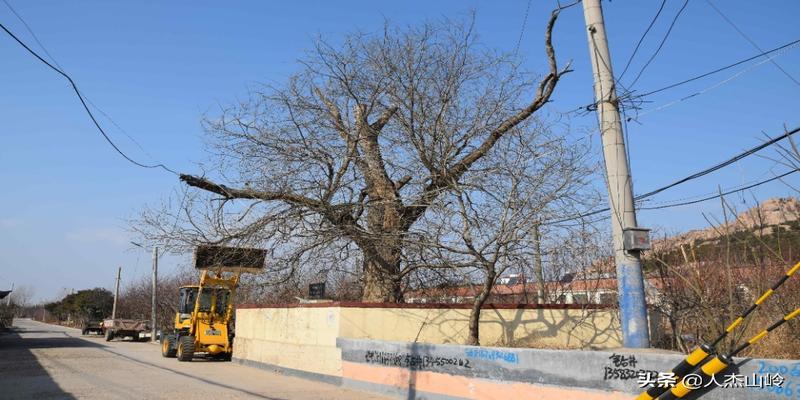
(762,218)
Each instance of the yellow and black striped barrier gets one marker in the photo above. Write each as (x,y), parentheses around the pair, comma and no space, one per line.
(685,367)
(720,362)
(702,352)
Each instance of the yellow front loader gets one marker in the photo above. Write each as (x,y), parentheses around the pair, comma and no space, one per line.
(204,320)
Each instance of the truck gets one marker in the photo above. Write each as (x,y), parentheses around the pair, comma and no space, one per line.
(92,327)
(137,329)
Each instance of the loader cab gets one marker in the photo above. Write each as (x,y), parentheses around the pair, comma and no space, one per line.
(215,299)
(188,296)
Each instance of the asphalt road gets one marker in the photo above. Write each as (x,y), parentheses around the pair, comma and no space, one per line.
(41,361)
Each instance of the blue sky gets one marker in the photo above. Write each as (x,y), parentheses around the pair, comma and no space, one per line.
(157,67)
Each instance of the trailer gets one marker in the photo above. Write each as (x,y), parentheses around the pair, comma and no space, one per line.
(136,329)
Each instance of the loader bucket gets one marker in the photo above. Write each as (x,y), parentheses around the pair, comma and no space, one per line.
(229,259)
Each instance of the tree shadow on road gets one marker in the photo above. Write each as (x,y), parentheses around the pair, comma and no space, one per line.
(21,374)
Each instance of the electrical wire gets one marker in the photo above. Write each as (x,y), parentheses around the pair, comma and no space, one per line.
(720,165)
(716,85)
(692,79)
(660,45)
(729,66)
(28,28)
(747,38)
(522,31)
(686,203)
(641,39)
(88,100)
(85,106)
(692,177)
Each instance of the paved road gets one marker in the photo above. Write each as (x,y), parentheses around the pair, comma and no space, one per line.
(41,361)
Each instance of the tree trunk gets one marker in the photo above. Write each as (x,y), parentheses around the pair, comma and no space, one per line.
(383,249)
(381,284)
(477,305)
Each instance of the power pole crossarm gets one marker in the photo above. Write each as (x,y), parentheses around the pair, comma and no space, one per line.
(633,309)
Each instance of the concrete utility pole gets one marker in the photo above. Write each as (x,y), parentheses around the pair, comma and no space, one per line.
(116,295)
(153,308)
(633,309)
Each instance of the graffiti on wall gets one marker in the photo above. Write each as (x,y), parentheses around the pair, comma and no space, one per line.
(623,367)
(414,361)
(790,387)
(493,355)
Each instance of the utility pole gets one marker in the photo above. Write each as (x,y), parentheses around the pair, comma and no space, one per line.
(630,284)
(153,300)
(116,295)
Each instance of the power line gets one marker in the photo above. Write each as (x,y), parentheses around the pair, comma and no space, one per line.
(720,165)
(697,196)
(85,106)
(660,45)
(28,28)
(522,31)
(729,66)
(747,38)
(575,217)
(88,100)
(689,178)
(641,39)
(600,57)
(692,79)
(685,203)
(714,86)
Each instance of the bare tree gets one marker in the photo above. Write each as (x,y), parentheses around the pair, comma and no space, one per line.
(721,272)
(483,225)
(22,295)
(353,151)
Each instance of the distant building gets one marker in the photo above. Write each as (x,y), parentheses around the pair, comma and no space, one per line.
(572,288)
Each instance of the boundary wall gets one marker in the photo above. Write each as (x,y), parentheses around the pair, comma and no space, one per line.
(414,351)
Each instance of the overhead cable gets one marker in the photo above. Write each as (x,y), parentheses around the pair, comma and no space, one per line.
(747,38)
(660,45)
(686,203)
(85,106)
(692,177)
(712,72)
(720,165)
(641,39)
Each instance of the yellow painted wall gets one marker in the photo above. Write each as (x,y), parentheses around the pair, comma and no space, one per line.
(305,338)
(297,338)
(573,329)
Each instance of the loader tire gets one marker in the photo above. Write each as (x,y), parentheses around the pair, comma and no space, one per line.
(185,348)
(168,348)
